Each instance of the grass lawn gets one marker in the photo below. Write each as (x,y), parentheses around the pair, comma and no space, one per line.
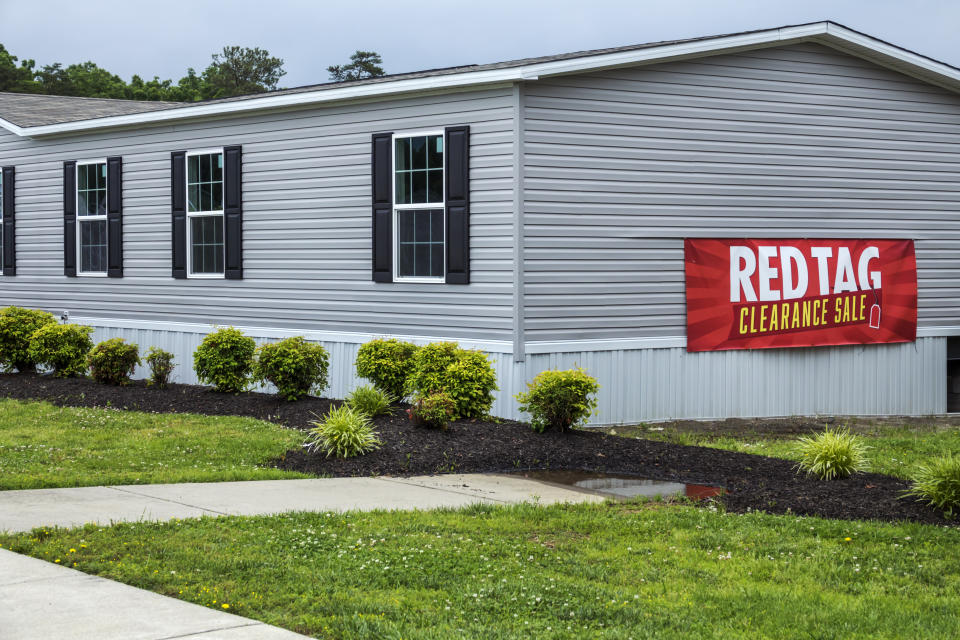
(42,445)
(590,571)
(895,449)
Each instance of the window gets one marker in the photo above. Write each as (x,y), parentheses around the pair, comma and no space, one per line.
(418,215)
(92,218)
(205,237)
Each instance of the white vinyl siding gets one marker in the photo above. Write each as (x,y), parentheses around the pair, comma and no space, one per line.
(796,141)
(306,223)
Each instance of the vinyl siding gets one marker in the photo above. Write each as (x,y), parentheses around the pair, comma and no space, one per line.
(306,229)
(797,141)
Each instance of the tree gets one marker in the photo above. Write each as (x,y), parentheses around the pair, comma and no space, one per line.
(86,79)
(239,70)
(13,77)
(363,64)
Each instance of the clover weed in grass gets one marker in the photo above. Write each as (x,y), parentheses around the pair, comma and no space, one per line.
(46,446)
(587,571)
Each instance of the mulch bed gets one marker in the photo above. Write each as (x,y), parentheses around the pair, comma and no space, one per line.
(752,482)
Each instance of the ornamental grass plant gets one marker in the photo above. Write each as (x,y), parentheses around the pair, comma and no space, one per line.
(832,454)
(370,401)
(344,433)
(938,483)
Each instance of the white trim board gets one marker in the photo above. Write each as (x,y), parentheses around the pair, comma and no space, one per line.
(490,346)
(826,33)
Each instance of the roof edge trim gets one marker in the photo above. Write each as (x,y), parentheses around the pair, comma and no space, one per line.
(825,32)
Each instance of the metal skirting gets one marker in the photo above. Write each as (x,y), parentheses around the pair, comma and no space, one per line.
(651,384)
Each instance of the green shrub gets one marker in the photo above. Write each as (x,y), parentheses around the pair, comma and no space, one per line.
(225,360)
(344,433)
(434,411)
(938,483)
(370,401)
(294,366)
(387,364)
(61,347)
(559,399)
(465,375)
(16,326)
(833,454)
(161,366)
(113,361)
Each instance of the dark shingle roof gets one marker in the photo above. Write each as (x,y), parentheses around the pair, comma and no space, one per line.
(31,110)
(37,110)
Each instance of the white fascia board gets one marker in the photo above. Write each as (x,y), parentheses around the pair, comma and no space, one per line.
(835,32)
(825,32)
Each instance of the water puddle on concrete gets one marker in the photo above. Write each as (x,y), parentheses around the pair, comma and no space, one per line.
(621,485)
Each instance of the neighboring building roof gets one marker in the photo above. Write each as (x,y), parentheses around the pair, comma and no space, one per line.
(33,115)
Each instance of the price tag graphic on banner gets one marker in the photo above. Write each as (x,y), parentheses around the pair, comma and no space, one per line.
(774,293)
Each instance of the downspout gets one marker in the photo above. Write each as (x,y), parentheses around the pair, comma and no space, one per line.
(519,344)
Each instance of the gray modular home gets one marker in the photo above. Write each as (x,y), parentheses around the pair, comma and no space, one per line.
(535,209)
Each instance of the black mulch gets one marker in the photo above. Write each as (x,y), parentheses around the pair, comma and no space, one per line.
(751,482)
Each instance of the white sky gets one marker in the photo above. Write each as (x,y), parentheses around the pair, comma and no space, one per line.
(165,37)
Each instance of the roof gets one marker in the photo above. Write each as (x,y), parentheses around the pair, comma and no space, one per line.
(40,115)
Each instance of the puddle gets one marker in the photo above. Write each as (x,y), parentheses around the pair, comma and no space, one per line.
(621,485)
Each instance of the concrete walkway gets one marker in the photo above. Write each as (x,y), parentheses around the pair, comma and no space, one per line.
(42,600)
(24,510)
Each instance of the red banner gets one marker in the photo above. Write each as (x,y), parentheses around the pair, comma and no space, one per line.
(766,294)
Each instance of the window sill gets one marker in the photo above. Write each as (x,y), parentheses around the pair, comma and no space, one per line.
(206,276)
(92,274)
(442,280)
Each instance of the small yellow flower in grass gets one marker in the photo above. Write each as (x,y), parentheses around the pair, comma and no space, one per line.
(72,550)
(847,539)
(226,606)
(57,560)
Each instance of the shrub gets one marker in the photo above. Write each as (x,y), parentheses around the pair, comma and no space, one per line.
(835,453)
(387,364)
(559,399)
(294,366)
(344,433)
(464,375)
(161,366)
(16,326)
(113,361)
(61,347)
(938,483)
(370,401)
(434,410)
(225,360)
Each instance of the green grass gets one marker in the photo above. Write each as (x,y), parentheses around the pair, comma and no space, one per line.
(589,571)
(895,449)
(46,446)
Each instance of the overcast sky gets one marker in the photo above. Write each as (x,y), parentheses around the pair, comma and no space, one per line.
(165,37)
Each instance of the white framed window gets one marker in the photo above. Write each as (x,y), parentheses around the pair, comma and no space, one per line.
(205,234)
(92,218)
(419,247)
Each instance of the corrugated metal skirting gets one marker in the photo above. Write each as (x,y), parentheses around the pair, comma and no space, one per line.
(669,383)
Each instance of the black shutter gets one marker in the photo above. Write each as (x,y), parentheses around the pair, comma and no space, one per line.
(381,181)
(9,223)
(178,201)
(457,157)
(115,217)
(233,212)
(70,218)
